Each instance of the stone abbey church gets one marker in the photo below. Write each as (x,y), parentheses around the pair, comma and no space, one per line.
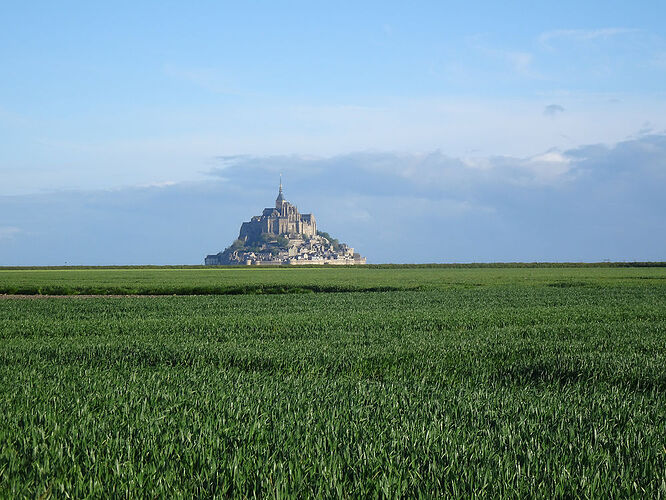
(283,236)
(284,219)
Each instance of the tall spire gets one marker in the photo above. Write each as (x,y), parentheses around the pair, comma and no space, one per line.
(280,198)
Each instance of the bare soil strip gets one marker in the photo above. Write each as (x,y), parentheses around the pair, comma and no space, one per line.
(19,296)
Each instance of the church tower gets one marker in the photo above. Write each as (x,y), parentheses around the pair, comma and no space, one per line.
(279,201)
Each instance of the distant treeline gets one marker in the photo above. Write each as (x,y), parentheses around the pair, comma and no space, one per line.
(475,265)
(472,265)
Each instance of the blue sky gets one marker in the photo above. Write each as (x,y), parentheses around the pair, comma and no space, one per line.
(146,132)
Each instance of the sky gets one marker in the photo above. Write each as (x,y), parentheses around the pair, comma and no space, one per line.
(146,132)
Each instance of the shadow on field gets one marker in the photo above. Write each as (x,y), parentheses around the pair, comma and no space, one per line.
(195,290)
(568,284)
(541,373)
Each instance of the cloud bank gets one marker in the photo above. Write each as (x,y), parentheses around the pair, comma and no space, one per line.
(590,203)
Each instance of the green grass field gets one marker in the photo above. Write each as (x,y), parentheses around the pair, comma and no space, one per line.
(539,382)
(242,280)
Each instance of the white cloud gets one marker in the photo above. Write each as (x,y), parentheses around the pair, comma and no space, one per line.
(585,203)
(159,184)
(8,232)
(389,173)
(583,34)
(519,60)
(551,167)
(456,126)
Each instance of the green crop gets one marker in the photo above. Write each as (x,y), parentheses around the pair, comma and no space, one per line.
(243,280)
(449,382)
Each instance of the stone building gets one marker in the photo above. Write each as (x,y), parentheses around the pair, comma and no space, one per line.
(284,220)
(282,235)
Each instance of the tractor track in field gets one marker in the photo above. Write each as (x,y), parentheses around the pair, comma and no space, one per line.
(23,296)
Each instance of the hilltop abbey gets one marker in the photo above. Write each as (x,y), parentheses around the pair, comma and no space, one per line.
(284,219)
(282,235)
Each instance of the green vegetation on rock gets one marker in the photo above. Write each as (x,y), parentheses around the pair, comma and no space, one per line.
(334,242)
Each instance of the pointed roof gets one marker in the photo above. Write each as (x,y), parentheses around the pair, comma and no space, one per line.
(280,198)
